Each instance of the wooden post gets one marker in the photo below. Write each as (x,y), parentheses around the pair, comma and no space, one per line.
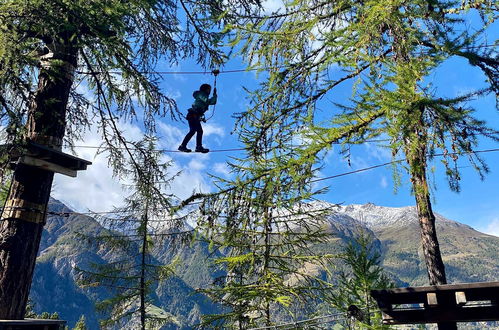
(23,219)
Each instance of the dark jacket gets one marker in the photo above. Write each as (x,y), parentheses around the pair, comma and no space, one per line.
(201,102)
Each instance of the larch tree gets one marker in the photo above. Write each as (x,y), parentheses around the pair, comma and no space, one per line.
(263,223)
(49,47)
(387,52)
(360,272)
(131,233)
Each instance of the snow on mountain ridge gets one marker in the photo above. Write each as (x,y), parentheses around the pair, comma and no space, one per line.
(374,216)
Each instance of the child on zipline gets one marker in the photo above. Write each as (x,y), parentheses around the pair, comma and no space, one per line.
(195,116)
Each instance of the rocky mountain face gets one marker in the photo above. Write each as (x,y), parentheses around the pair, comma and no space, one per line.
(470,256)
(64,251)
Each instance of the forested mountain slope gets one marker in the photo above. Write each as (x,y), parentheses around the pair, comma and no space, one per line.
(470,256)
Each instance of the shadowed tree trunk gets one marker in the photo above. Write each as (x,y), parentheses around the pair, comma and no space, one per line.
(25,213)
(431,248)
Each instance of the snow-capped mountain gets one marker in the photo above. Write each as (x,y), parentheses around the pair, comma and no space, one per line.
(469,256)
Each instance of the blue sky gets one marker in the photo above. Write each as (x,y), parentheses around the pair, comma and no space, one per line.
(476,205)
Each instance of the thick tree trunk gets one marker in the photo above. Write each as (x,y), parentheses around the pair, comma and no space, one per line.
(431,249)
(24,216)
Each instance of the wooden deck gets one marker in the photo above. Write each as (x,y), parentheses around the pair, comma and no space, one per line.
(32,324)
(467,302)
(49,159)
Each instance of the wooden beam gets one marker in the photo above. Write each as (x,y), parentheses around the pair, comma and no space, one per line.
(439,315)
(416,295)
(57,157)
(445,287)
(442,303)
(460,298)
(32,324)
(431,299)
(48,166)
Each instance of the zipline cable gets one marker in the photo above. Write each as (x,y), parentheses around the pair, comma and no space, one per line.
(398,161)
(185,72)
(311,181)
(216,150)
(215,73)
(340,316)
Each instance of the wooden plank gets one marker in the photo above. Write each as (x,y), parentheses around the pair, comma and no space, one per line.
(460,298)
(431,299)
(48,166)
(445,287)
(57,157)
(32,324)
(415,295)
(438,315)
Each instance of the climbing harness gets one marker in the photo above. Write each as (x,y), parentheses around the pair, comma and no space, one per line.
(215,72)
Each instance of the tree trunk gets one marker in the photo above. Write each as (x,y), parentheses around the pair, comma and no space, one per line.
(433,258)
(143,266)
(24,215)
(431,248)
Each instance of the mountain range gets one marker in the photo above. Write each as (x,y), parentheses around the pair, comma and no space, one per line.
(469,256)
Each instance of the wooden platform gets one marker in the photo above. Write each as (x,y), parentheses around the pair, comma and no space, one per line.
(468,302)
(32,324)
(49,159)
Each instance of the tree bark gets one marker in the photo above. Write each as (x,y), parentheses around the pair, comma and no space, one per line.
(24,215)
(431,248)
(143,266)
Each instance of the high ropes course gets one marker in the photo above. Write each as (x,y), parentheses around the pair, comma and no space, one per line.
(364,169)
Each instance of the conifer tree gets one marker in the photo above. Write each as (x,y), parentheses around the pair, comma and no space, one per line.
(360,273)
(133,231)
(81,324)
(388,50)
(49,47)
(263,223)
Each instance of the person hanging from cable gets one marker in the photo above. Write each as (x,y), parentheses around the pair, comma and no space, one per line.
(195,116)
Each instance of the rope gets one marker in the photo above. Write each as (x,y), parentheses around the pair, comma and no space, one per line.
(185,72)
(312,181)
(215,73)
(158,150)
(217,150)
(401,160)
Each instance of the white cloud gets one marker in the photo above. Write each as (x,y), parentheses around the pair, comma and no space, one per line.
(196,165)
(96,189)
(213,129)
(171,136)
(383,183)
(493,227)
(222,168)
(273,6)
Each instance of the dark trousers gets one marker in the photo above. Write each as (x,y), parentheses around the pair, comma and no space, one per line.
(194,127)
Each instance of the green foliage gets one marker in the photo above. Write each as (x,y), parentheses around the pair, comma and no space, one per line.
(45,315)
(118,46)
(360,274)
(4,192)
(264,225)
(388,50)
(134,231)
(81,325)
